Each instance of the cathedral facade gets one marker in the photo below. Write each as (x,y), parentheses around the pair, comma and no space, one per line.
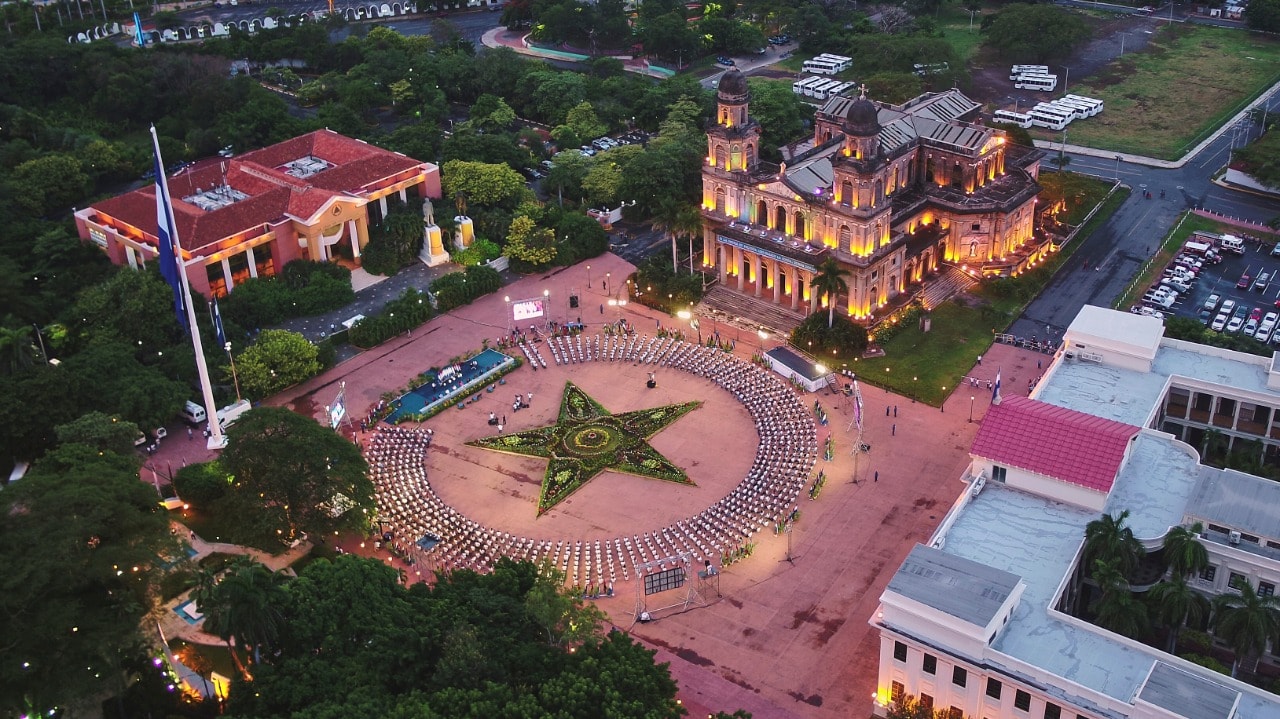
(889,192)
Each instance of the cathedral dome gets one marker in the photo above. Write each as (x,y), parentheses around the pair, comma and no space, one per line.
(732,84)
(862,117)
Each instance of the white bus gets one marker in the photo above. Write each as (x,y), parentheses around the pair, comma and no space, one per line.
(1021,119)
(1039,83)
(1095,105)
(1028,70)
(921,70)
(1076,111)
(828,64)
(799,86)
(1048,117)
(822,92)
(819,89)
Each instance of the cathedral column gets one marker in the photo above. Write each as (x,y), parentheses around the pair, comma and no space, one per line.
(737,263)
(253,262)
(721,269)
(795,287)
(813,296)
(354,237)
(757,273)
(777,282)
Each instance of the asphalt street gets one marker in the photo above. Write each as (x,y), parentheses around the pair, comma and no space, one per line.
(1113,255)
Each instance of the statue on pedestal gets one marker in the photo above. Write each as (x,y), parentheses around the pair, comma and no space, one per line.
(433,252)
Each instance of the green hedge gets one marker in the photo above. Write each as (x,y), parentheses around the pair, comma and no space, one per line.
(302,289)
(461,288)
(400,315)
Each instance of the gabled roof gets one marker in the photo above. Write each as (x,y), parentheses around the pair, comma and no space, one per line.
(1053,441)
(272,194)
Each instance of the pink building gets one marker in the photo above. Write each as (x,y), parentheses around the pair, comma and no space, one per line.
(250,215)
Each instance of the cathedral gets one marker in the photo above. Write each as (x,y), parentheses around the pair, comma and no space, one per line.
(891,193)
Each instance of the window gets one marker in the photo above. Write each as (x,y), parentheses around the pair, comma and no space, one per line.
(896,692)
(955,712)
(998,473)
(1266,589)
(959,676)
(1208,573)
(926,701)
(977,226)
(1052,711)
(900,651)
(1237,581)
(1022,700)
(993,688)
(930,665)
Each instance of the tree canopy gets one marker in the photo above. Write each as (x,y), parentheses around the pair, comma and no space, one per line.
(1034,33)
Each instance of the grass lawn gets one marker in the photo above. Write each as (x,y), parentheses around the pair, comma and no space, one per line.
(1171,245)
(1162,101)
(953,21)
(928,366)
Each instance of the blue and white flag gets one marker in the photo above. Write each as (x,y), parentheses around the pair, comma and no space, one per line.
(217,324)
(995,391)
(167,236)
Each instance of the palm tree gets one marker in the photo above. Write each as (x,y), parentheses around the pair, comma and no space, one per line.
(830,281)
(1246,621)
(17,349)
(677,218)
(1117,609)
(1176,603)
(246,606)
(1107,538)
(1184,555)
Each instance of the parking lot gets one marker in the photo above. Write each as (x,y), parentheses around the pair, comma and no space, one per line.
(1253,301)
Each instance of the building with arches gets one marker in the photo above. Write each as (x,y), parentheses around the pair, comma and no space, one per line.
(890,192)
(250,215)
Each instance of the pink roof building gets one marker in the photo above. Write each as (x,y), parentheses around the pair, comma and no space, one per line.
(1025,442)
(249,216)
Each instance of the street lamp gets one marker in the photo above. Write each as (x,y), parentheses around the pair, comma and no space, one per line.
(588,276)
(546,302)
(507,300)
(235,379)
(971,409)
(1117,168)
(607,276)
(763,336)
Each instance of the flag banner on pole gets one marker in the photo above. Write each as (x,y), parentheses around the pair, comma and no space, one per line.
(857,405)
(995,391)
(165,235)
(217,324)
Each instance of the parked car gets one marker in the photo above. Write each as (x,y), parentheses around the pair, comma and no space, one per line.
(1228,306)
(1245,281)
(1235,324)
(1260,284)
(725,61)
(1263,333)
(1212,303)
(1250,327)
(1275,251)
(1219,323)
(1255,314)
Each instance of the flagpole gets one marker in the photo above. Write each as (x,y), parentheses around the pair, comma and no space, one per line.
(216,439)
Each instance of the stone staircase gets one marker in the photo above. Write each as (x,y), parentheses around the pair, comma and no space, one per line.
(748,313)
(949,283)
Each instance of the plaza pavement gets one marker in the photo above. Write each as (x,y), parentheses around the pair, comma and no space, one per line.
(782,639)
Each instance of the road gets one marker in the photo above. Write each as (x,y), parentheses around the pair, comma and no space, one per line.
(1112,256)
(471,24)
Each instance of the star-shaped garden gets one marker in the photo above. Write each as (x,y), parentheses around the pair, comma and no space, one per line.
(587,439)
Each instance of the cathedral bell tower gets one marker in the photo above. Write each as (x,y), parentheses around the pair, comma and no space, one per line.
(733,138)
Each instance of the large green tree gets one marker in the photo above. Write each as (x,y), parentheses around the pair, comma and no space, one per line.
(482,184)
(79,538)
(1034,33)
(830,282)
(295,474)
(1175,604)
(277,359)
(1108,538)
(245,604)
(1184,554)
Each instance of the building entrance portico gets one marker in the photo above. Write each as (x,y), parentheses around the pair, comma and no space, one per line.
(767,277)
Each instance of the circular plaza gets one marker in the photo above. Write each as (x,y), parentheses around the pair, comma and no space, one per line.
(747,449)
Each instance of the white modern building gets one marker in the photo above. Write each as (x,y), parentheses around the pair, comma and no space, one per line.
(970,622)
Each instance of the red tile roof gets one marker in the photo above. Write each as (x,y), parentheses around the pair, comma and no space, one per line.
(273,194)
(1053,441)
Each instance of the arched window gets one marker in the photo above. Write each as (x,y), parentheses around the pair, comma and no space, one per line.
(893,180)
(719,156)
(762,213)
(780,219)
(879,192)
(735,158)
(957,175)
(845,238)
(719,199)
(799,224)
(846,193)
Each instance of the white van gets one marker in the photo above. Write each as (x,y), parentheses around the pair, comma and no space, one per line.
(1231,243)
(193,413)
(228,415)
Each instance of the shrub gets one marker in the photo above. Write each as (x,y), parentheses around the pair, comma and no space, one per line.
(845,337)
(459,288)
(1207,662)
(411,309)
(303,288)
(201,484)
(480,252)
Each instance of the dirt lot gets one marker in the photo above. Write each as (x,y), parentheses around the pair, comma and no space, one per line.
(992,87)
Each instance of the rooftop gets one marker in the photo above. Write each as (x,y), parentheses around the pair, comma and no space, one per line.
(967,590)
(1186,694)
(1053,441)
